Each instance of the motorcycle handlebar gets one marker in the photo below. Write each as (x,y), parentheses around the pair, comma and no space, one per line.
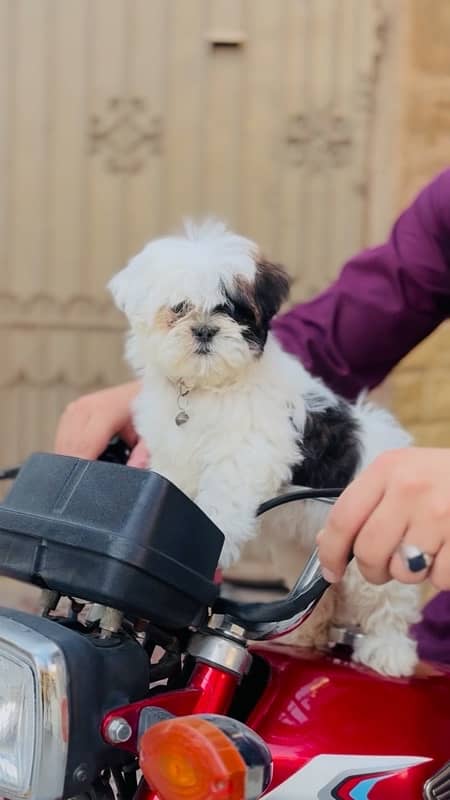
(259,620)
(269,620)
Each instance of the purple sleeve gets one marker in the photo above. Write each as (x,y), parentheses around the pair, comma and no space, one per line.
(384,302)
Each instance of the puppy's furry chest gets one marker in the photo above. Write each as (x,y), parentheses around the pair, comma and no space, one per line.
(248,427)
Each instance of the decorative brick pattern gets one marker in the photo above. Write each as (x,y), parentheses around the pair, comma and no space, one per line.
(420,387)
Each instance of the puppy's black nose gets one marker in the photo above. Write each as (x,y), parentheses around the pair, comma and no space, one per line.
(204,333)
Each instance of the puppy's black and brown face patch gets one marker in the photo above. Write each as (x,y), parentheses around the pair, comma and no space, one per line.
(272,284)
(252,305)
(240,306)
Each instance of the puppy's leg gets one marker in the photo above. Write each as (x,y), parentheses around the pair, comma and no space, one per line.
(230,493)
(289,532)
(234,516)
(384,614)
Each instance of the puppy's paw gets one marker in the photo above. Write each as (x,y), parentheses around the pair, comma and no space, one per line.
(394,655)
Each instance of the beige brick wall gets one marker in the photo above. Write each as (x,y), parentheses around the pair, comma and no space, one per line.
(420,387)
(420,390)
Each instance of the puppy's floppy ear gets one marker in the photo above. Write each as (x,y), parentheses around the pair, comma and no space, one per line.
(119,286)
(126,290)
(272,285)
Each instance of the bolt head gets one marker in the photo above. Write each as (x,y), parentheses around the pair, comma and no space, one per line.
(118,731)
(81,773)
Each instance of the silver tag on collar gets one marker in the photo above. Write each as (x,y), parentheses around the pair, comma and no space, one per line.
(181,418)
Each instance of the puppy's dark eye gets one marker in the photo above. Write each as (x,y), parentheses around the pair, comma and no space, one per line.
(237,309)
(180,309)
(222,309)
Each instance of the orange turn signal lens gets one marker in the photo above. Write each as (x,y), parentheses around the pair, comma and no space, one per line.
(191,759)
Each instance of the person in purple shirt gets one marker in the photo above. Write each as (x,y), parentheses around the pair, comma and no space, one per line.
(385,301)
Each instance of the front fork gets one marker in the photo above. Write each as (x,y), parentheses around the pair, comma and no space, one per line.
(216,690)
(221,659)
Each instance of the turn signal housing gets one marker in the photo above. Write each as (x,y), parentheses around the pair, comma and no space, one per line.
(204,757)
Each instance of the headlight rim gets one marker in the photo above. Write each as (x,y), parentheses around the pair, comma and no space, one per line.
(51,700)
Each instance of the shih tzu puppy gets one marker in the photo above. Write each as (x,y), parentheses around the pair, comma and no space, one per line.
(233,420)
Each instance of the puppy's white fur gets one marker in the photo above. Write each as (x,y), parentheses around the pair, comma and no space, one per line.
(247,402)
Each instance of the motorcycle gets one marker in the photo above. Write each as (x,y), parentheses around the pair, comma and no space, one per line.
(139,680)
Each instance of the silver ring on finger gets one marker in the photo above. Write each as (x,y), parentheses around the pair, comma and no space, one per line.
(414,559)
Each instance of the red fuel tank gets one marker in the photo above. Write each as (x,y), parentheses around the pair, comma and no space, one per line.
(339,730)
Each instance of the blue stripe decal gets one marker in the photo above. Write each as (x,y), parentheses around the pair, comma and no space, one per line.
(361,791)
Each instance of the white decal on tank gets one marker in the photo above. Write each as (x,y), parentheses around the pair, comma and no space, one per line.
(326,772)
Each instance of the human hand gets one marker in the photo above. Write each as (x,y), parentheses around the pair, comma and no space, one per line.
(402,498)
(89,422)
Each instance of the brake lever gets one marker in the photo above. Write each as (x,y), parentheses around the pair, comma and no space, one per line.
(269,620)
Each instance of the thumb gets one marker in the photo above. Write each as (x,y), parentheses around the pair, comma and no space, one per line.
(140,456)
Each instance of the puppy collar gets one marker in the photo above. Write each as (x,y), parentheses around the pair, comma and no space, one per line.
(182,417)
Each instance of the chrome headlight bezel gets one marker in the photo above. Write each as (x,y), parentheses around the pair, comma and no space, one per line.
(45,659)
(79,679)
